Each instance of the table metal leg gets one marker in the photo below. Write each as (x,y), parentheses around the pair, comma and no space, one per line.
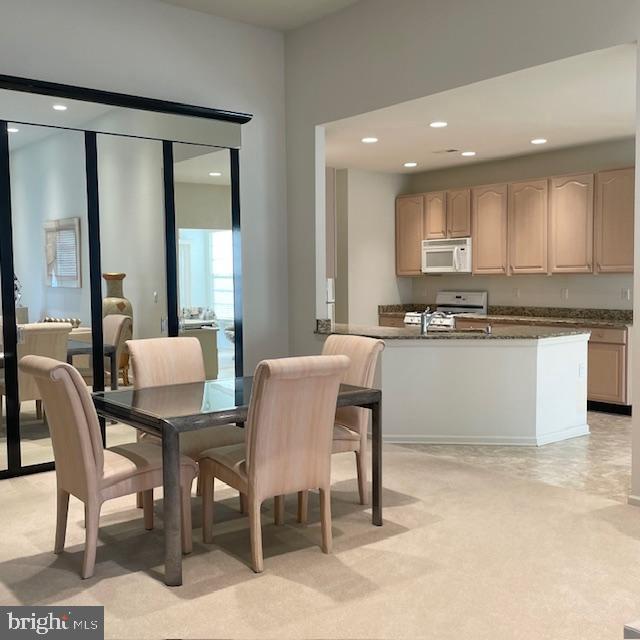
(376,451)
(114,370)
(171,507)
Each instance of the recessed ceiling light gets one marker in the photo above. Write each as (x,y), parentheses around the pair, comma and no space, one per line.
(13,129)
(410,165)
(215,174)
(438,124)
(539,141)
(468,154)
(60,107)
(369,140)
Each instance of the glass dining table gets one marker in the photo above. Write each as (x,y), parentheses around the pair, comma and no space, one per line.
(169,411)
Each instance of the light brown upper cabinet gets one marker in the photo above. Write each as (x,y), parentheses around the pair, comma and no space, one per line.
(447,214)
(459,213)
(489,228)
(614,221)
(571,224)
(409,234)
(435,215)
(528,226)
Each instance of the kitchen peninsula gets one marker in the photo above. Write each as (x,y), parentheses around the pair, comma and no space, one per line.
(515,386)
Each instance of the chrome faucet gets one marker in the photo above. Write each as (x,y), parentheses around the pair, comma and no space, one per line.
(427,318)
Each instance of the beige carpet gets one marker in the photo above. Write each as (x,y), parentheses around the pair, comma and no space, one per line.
(465,552)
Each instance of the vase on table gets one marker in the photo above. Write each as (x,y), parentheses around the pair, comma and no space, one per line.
(114,303)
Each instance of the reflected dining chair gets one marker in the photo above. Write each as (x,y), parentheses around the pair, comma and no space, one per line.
(85,469)
(351,423)
(41,339)
(157,362)
(288,448)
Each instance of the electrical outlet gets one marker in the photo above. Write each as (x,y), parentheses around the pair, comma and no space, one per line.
(155,297)
(564,293)
(581,370)
(626,294)
(516,293)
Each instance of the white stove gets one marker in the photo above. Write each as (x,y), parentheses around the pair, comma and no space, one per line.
(449,304)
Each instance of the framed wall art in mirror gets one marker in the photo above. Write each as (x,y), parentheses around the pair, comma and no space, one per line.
(62,253)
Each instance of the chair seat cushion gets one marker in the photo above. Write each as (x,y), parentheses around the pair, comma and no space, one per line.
(193,443)
(127,460)
(340,432)
(229,464)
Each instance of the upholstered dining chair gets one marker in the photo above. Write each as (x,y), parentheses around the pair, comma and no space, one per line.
(41,339)
(288,448)
(351,424)
(85,469)
(116,330)
(158,362)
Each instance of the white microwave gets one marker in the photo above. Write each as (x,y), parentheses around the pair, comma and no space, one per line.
(446,256)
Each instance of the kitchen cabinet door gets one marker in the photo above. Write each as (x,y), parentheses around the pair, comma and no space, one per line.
(571,224)
(459,213)
(614,221)
(489,229)
(527,235)
(607,368)
(409,233)
(435,215)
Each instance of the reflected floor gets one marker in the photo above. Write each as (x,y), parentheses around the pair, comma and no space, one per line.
(599,463)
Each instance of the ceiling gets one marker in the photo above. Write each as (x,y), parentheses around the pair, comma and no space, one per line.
(583,99)
(197,168)
(274,14)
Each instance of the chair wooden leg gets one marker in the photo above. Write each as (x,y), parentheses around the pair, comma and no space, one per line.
(39,409)
(207,506)
(325,519)
(278,506)
(147,506)
(187,535)
(243,504)
(139,504)
(199,485)
(303,506)
(61,520)
(363,486)
(255,528)
(92,519)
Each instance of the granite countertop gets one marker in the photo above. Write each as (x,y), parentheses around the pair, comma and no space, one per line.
(413,333)
(609,318)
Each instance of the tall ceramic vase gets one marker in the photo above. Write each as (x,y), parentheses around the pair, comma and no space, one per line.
(115,303)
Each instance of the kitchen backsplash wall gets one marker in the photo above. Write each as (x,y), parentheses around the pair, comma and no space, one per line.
(603,291)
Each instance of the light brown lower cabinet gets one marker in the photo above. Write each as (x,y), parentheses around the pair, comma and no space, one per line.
(607,372)
(391,321)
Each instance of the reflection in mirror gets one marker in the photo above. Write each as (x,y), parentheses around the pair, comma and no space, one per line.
(205,253)
(50,246)
(20,107)
(4,462)
(132,244)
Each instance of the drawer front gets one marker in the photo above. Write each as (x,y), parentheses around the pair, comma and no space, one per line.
(610,336)
(387,321)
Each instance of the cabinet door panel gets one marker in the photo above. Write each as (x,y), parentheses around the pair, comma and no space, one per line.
(607,372)
(528,227)
(614,221)
(571,224)
(435,216)
(489,229)
(459,213)
(409,232)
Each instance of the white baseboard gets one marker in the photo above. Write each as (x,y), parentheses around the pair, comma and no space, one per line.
(514,441)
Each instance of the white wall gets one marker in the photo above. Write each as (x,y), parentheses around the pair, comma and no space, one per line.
(202,206)
(370,256)
(48,183)
(157,50)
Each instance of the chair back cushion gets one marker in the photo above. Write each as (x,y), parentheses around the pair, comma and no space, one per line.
(73,423)
(41,339)
(363,355)
(290,423)
(116,330)
(161,361)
